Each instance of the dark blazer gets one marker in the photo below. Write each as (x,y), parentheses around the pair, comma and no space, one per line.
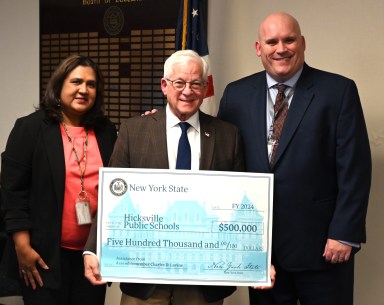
(322,170)
(142,143)
(33,178)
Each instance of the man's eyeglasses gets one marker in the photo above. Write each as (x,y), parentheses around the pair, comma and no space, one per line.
(179,85)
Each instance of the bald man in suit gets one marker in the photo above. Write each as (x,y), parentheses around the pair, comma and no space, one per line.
(321,166)
(152,141)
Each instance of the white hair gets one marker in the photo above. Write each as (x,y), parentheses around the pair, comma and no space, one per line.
(184,56)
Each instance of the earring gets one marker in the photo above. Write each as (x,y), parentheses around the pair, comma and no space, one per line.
(58,103)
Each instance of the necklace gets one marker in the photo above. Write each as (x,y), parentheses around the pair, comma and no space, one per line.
(82,167)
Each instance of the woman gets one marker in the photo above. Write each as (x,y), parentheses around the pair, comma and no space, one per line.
(49,183)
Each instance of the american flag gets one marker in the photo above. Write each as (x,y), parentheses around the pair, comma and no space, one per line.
(191,35)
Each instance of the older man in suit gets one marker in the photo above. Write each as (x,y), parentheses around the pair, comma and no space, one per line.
(152,142)
(320,160)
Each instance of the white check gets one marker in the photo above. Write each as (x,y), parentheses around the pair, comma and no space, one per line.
(185,227)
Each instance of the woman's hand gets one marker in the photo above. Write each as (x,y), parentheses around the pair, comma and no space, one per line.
(28,259)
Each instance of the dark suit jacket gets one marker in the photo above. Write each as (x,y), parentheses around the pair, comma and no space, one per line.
(322,170)
(33,179)
(142,143)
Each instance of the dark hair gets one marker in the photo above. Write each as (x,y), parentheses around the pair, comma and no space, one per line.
(51,99)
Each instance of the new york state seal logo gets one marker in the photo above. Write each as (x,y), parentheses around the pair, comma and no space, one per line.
(118,187)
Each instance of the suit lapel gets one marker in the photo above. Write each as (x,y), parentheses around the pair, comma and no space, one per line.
(55,154)
(207,141)
(159,137)
(257,117)
(302,98)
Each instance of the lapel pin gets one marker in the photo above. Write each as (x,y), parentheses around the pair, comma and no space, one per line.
(207,134)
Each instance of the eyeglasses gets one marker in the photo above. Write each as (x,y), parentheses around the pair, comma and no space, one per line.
(179,85)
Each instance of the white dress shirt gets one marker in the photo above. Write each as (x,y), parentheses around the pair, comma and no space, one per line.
(173,135)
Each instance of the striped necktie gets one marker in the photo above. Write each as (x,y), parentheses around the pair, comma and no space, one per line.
(280,113)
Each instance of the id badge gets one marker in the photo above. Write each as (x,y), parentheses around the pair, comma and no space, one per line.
(83,211)
(270,149)
(271,143)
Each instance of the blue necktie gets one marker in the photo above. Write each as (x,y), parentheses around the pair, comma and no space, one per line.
(183,160)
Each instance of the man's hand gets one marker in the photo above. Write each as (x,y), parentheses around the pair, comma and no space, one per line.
(91,269)
(273,278)
(153,111)
(336,252)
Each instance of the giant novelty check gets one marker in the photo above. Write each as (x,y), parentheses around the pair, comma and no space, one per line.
(185,227)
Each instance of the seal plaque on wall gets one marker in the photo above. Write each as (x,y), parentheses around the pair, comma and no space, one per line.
(113,20)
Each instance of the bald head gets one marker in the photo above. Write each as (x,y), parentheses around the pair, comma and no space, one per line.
(278,19)
(280,46)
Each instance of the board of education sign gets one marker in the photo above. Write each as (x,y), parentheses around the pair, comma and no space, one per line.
(185,227)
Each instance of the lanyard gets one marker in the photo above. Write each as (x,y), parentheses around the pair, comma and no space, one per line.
(82,193)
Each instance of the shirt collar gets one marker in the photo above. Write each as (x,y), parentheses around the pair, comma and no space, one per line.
(173,120)
(290,83)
